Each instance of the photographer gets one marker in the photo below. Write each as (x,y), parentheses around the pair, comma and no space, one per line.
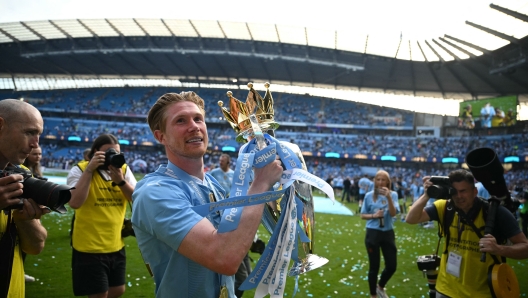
(103,186)
(20,230)
(466,275)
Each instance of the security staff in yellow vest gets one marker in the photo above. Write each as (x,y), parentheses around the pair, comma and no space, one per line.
(20,230)
(99,199)
(462,274)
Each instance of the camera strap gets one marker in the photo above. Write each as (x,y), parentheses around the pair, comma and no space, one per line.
(449,214)
(7,253)
(470,222)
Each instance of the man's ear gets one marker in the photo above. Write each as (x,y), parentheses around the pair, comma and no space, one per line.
(159,136)
(2,123)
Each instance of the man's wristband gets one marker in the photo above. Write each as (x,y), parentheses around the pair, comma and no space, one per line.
(123,182)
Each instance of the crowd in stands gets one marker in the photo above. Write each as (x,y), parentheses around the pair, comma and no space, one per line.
(136,101)
(328,169)
(313,142)
(78,113)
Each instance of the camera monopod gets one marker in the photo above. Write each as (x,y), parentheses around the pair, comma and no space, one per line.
(429,266)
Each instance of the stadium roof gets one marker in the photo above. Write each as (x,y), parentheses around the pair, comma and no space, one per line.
(223,51)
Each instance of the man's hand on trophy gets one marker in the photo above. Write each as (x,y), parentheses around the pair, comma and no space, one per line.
(269,174)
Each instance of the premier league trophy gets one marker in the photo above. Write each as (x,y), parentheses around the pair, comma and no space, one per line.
(260,109)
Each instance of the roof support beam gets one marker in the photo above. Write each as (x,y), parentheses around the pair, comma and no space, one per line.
(307,53)
(99,42)
(466,65)
(176,47)
(494,32)
(483,50)
(431,71)
(393,62)
(33,31)
(73,46)
(459,79)
(480,61)
(512,13)
(458,48)
(10,36)
(413,80)
(281,55)
(70,38)
(365,60)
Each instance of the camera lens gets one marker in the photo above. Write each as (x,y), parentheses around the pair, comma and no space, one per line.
(47,193)
(113,158)
(435,191)
(117,160)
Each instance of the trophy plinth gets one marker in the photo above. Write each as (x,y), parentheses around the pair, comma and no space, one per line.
(310,262)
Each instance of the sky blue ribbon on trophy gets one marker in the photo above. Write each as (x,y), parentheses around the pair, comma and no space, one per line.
(240,183)
(294,169)
(265,259)
(269,275)
(239,187)
(241,201)
(287,156)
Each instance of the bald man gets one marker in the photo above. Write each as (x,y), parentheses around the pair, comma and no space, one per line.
(20,128)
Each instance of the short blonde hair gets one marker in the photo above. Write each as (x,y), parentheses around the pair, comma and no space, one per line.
(157,115)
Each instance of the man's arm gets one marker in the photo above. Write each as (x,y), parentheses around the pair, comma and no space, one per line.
(223,252)
(31,233)
(417,213)
(518,250)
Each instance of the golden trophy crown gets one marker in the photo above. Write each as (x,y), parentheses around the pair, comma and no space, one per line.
(239,112)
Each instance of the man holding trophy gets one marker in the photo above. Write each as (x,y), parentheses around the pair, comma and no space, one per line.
(185,252)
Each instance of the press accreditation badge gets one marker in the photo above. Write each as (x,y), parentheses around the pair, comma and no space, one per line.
(453,264)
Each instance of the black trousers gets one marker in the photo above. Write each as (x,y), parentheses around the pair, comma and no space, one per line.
(375,241)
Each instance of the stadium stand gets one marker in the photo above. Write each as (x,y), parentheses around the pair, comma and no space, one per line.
(365,133)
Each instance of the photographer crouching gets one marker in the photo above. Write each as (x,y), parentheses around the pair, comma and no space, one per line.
(462,217)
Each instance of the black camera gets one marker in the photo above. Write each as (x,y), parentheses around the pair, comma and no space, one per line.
(113,158)
(43,192)
(428,262)
(441,188)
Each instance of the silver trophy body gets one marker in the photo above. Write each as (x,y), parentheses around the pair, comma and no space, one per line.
(307,259)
